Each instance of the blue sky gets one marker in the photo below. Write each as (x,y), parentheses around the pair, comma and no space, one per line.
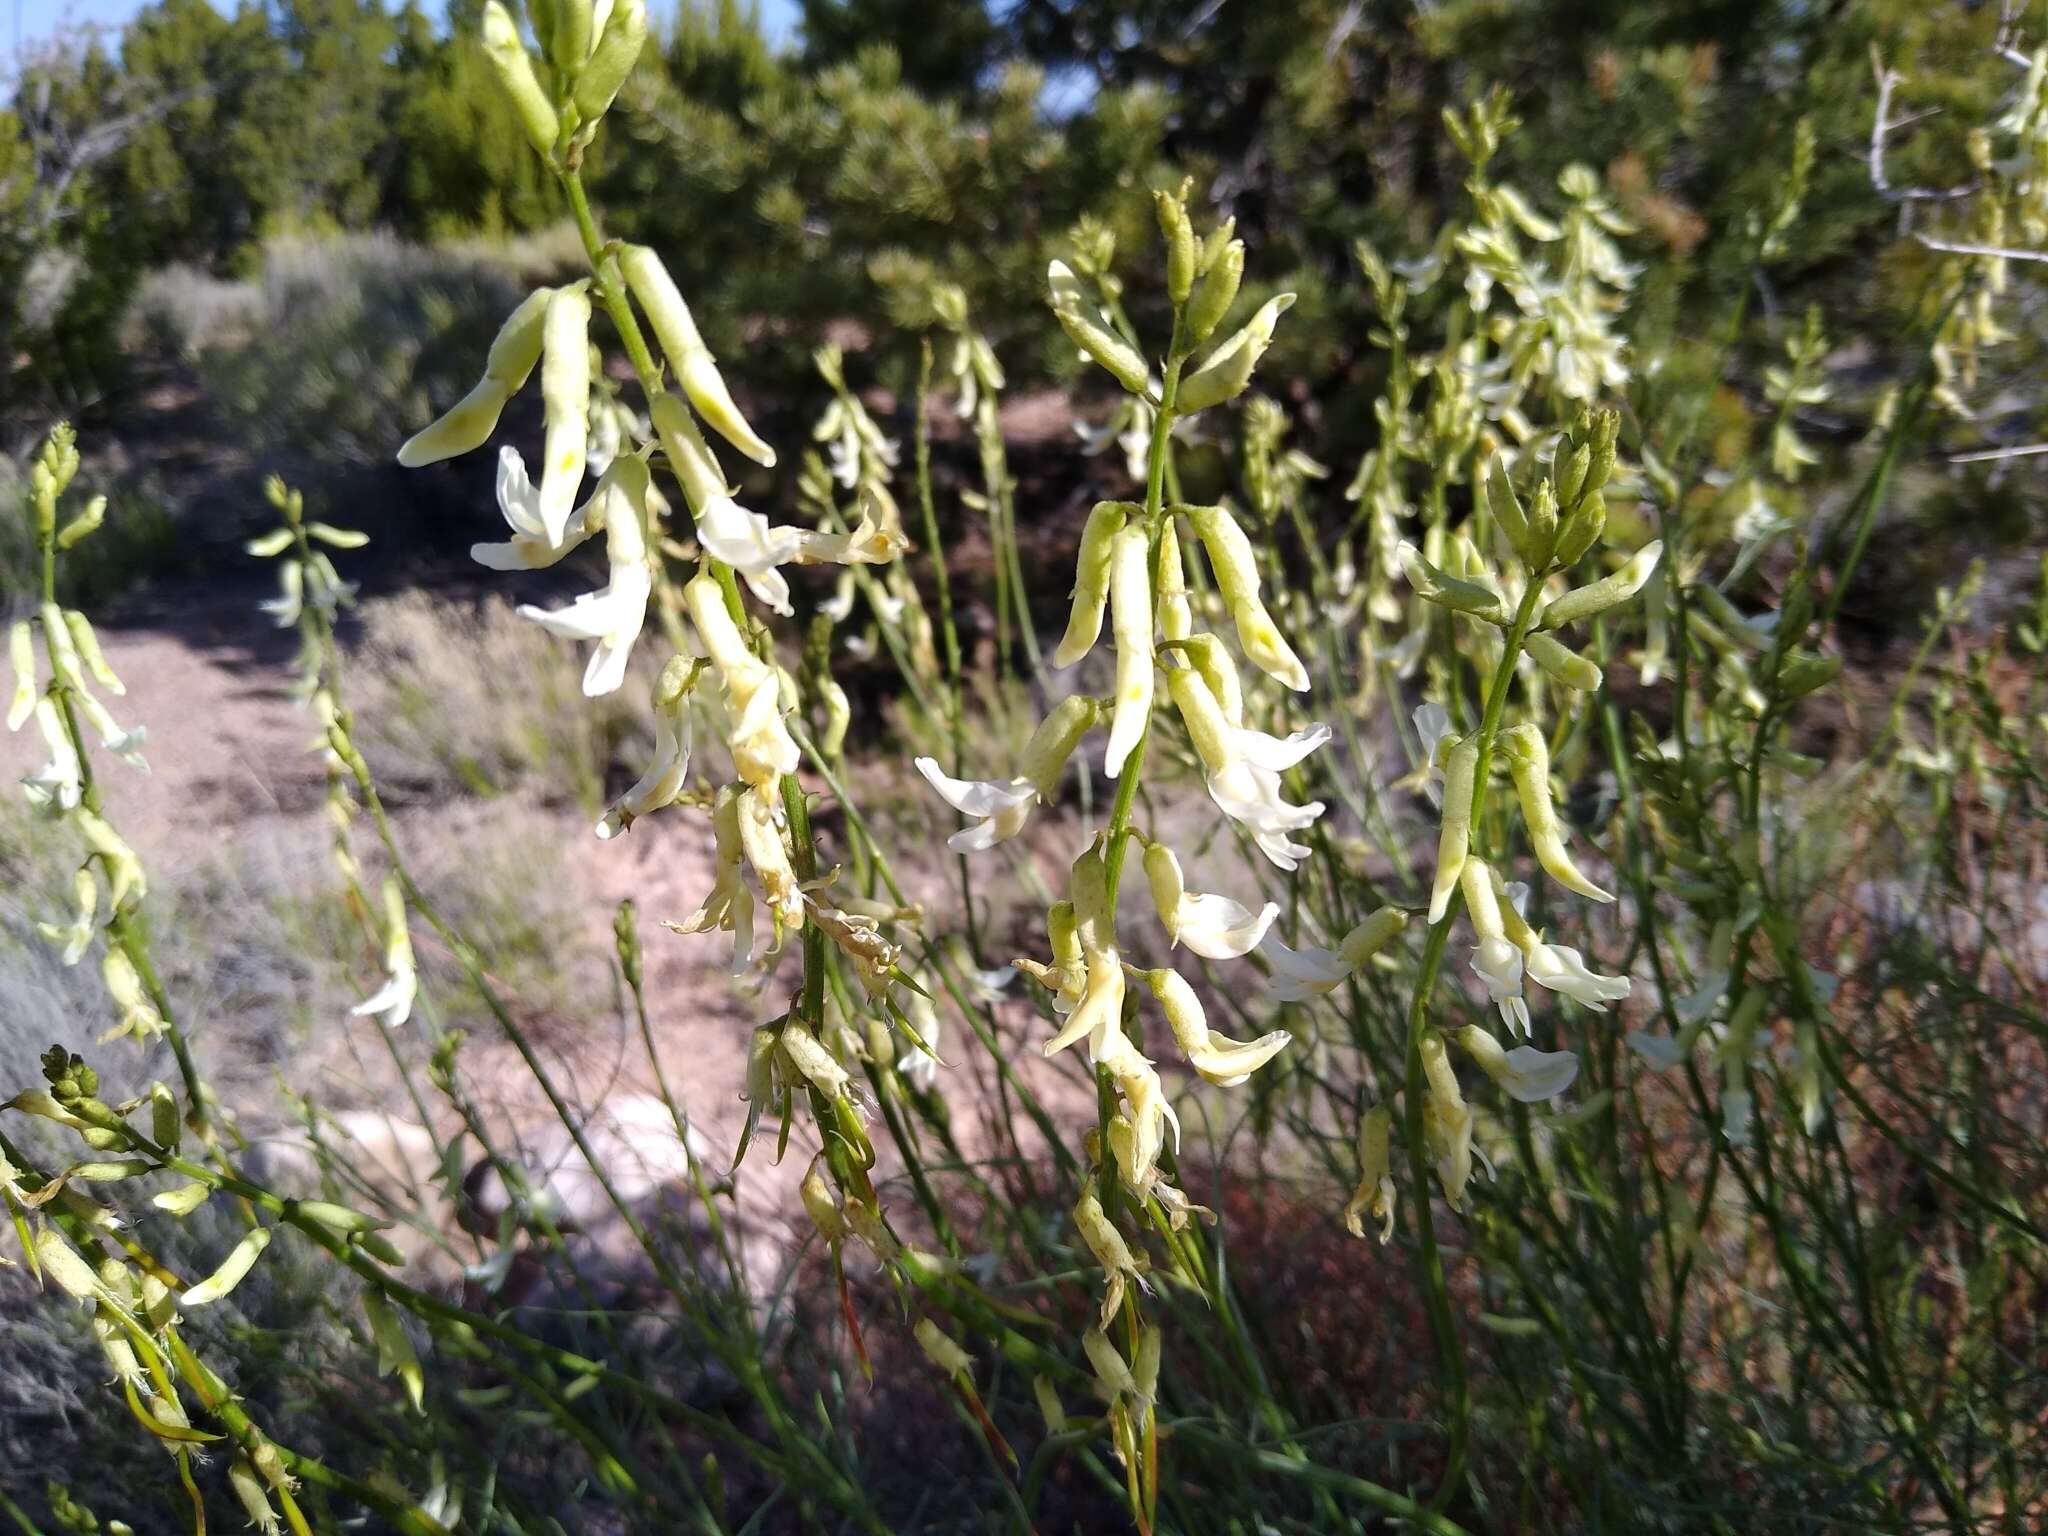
(29,21)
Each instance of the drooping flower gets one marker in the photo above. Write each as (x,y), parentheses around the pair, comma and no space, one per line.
(391,1004)
(1299,974)
(730,905)
(1524,1073)
(762,748)
(529,548)
(662,784)
(1243,767)
(756,548)
(999,808)
(1219,1059)
(1495,961)
(613,615)
(1375,1191)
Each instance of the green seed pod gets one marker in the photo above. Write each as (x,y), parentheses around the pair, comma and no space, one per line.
(1091,580)
(1599,596)
(1448,591)
(514,68)
(1229,368)
(1804,672)
(625,35)
(1218,291)
(1180,244)
(1563,663)
(1505,506)
(1091,331)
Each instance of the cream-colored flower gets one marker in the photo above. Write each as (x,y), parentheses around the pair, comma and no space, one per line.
(1375,1191)
(391,1004)
(529,548)
(1242,769)
(1524,1073)
(1299,974)
(1214,927)
(1219,1059)
(662,784)
(730,906)
(998,808)
(613,615)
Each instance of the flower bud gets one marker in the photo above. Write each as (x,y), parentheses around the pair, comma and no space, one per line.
(1448,591)
(690,458)
(1237,575)
(1562,663)
(1176,618)
(1569,474)
(1371,936)
(1213,664)
(1804,672)
(948,1356)
(1217,291)
(470,422)
(232,1271)
(1529,766)
(514,68)
(1091,331)
(1599,596)
(1180,245)
(618,49)
(565,390)
(1046,753)
(569,39)
(1130,602)
(1582,529)
(21,654)
(696,369)
(1091,580)
(394,1346)
(1229,368)
(810,1057)
(86,523)
(1461,762)
(1505,507)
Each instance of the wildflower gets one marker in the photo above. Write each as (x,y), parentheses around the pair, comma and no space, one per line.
(755,548)
(1375,1192)
(730,906)
(392,1003)
(762,748)
(530,547)
(233,1270)
(1299,974)
(508,58)
(22,655)
(1098,1014)
(124,872)
(511,360)
(761,840)
(662,784)
(1091,331)
(74,937)
(1495,961)
(1137,1131)
(1227,370)
(1528,758)
(999,808)
(57,786)
(1214,927)
(809,1055)
(1110,1250)
(565,390)
(1237,576)
(1596,597)
(1242,769)
(126,745)
(1220,1060)
(696,369)
(1446,1122)
(1524,1073)
(1067,977)
(613,615)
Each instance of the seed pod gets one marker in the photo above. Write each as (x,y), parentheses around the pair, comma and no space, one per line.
(696,369)
(612,61)
(1599,596)
(1091,331)
(232,1271)
(1091,580)
(1506,507)
(1461,762)
(1180,245)
(565,390)
(1130,603)
(470,422)
(514,68)
(1804,672)
(1562,663)
(1217,291)
(1229,368)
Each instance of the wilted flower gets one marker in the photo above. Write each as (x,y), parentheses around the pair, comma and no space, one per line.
(391,1004)
(1375,1192)
(662,784)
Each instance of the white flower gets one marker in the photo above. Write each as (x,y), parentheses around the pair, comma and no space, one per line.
(613,615)
(391,1004)
(1299,974)
(529,548)
(752,546)
(1214,927)
(999,809)
(1524,1073)
(1498,963)
(56,786)
(1563,969)
(730,906)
